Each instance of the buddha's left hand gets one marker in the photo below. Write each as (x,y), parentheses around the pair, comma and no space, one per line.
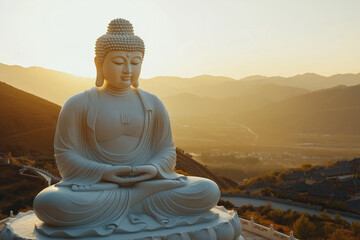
(141,173)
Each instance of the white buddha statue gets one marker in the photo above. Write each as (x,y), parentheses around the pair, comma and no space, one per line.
(116,155)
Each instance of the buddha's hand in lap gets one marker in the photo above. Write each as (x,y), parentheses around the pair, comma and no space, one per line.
(143,172)
(129,175)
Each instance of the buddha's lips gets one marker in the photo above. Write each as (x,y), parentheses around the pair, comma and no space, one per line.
(126,78)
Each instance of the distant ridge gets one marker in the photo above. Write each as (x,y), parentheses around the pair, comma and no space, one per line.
(187,104)
(309,81)
(328,111)
(58,86)
(214,111)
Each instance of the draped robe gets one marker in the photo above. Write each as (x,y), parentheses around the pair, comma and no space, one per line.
(71,208)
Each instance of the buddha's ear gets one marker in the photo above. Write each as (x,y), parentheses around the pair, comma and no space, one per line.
(99,73)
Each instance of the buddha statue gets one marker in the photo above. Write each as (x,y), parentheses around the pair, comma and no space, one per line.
(115,152)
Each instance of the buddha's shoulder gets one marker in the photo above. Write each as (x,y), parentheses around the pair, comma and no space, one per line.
(150,98)
(79,101)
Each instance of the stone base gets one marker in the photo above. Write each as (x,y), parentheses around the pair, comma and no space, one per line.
(226,227)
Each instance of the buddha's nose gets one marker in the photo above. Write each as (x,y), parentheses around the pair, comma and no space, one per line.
(127,68)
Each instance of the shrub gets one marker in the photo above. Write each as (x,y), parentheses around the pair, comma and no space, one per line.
(355,228)
(303,228)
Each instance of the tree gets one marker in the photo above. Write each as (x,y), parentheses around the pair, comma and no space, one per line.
(227,204)
(324,215)
(338,235)
(306,166)
(276,216)
(265,209)
(266,192)
(355,228)
(303,228)
(337,218)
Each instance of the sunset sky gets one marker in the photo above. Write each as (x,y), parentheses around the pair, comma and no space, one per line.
(186,38)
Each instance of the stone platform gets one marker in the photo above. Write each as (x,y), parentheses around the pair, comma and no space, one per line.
(226,227)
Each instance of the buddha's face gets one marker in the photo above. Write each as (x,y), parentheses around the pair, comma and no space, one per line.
(122,68)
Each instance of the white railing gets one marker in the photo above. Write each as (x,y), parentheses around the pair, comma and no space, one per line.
(263,231)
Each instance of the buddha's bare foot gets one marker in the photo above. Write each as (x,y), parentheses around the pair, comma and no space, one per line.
(144,189)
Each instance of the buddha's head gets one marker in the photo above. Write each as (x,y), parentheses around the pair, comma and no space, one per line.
(118,55)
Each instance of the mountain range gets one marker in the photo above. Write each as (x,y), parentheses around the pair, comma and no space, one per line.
(254,97)
(310,81)
(329,111)
(214,111)
(58,86)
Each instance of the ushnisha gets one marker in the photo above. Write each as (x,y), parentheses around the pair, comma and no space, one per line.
(115,152)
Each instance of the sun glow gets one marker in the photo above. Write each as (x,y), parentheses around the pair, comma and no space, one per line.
(187,38)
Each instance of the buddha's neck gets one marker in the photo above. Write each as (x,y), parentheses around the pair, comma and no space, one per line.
(117,92)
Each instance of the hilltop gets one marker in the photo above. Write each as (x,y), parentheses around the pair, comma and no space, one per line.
(27,122)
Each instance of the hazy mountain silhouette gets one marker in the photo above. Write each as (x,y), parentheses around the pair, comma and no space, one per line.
(49,84)
(170,86)
(58,86)
(239,88)
(192,105)
(208,110)
(309,81)
(328,111)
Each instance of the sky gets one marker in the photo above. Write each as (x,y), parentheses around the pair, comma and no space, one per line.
(186,38)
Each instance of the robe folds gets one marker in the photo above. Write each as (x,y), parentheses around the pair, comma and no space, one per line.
(73,208)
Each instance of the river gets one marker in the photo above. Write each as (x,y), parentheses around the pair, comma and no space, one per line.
(239,201)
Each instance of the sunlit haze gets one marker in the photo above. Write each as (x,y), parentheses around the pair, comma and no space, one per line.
(187,38)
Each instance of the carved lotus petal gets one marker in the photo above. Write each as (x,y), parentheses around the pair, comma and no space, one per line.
(179,236)
(205,234)
(235,222)
(225,231)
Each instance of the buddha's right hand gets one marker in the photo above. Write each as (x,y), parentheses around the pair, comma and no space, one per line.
(111,174)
